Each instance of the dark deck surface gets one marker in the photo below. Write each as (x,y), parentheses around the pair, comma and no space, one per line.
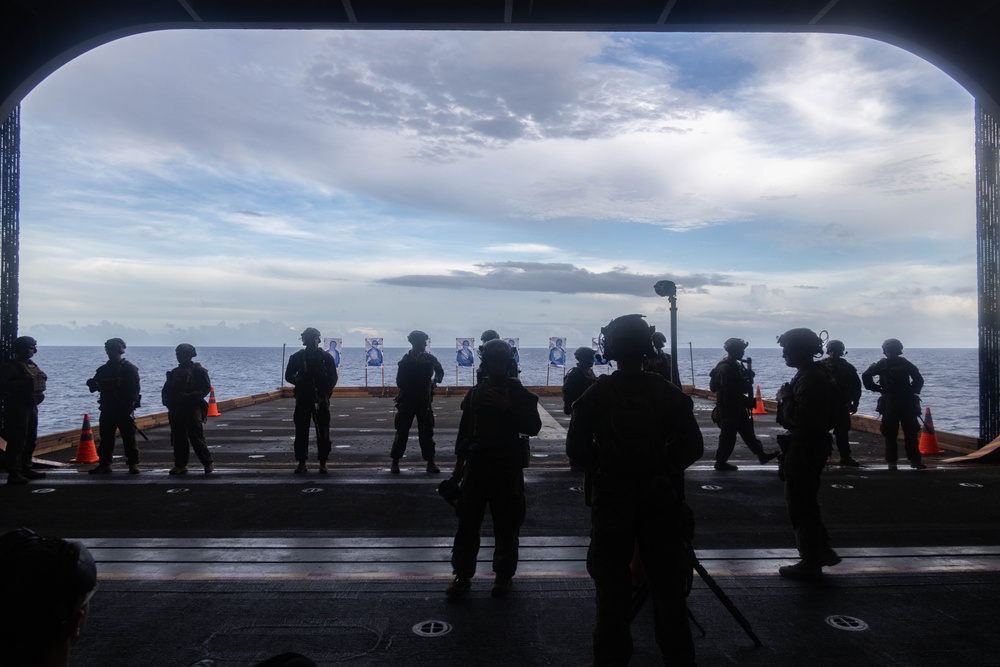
(254,560)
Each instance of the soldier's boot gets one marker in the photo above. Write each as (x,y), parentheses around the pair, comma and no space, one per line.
(31,473)
(100,469)
(849,461)
(501,586)
(323,469)
(209,468)
(725,466)
(300,469)
(394,467)
(458,587)
(133,469)
(16,477)
(764,457)
(432,468)
(802,571)
(178,470)
(918,465)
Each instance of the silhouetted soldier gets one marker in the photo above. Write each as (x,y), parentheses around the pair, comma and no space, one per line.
(661,363)
(899,383)
(418,373)
(807,408)
(118,383)
(47,590)
(22,384)
(184,395)
(577,381)
(732,382)
(484,338)
(491,456)
(637,434)
(849,388)
(314,375)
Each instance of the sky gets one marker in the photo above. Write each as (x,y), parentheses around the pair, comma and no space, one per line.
(234,187)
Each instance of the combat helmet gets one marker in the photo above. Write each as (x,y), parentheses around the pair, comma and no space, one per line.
(628,335)
(892,345)
(802,339)
(187,349)
(659,340)
(735,345)
(25,343)
(115,344)
(54,577)
(496,350)
(417,336)
(582,353)
(836,346)
(310,333)
(488,335)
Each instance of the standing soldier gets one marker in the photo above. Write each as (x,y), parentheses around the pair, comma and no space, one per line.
(184,395)
(807,408)
(491,456)
(118,382)
(22,384)
(732,382)
(899,383)
(314,375)
(637,434)
(849,392)
(662,362)
(577,381)
(419,372)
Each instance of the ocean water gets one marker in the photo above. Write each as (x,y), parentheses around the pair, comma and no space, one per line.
(951,387)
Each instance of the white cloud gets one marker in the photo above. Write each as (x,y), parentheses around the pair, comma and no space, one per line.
(194,177)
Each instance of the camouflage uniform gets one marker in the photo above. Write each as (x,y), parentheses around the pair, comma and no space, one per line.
(494,455)
(637,434)
(118,384)
(314,376)
(416,376)
(184,395)
(22,384)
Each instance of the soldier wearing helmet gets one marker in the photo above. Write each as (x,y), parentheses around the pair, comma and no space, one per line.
(849,393)
(498,415)
(579,378)
(636,434)
(486,337)
(732,382)
(577,381)
(118,384)
(899,383)
(184,395)
(662,363)
(807,408)
(48,585)
(313,373)
(418,373)
(22,385)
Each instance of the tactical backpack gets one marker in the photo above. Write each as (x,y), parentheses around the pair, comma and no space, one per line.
(714,383)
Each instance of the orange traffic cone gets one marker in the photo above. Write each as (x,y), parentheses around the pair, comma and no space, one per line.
(928,440)
(213,408)
(759,409)
(86,452)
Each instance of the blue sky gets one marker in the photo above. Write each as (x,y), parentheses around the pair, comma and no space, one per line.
(234,187)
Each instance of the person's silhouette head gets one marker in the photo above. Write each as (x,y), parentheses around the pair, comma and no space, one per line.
(47,590)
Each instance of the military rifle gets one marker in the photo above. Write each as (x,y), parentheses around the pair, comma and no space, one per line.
(642,592)
(137,429)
